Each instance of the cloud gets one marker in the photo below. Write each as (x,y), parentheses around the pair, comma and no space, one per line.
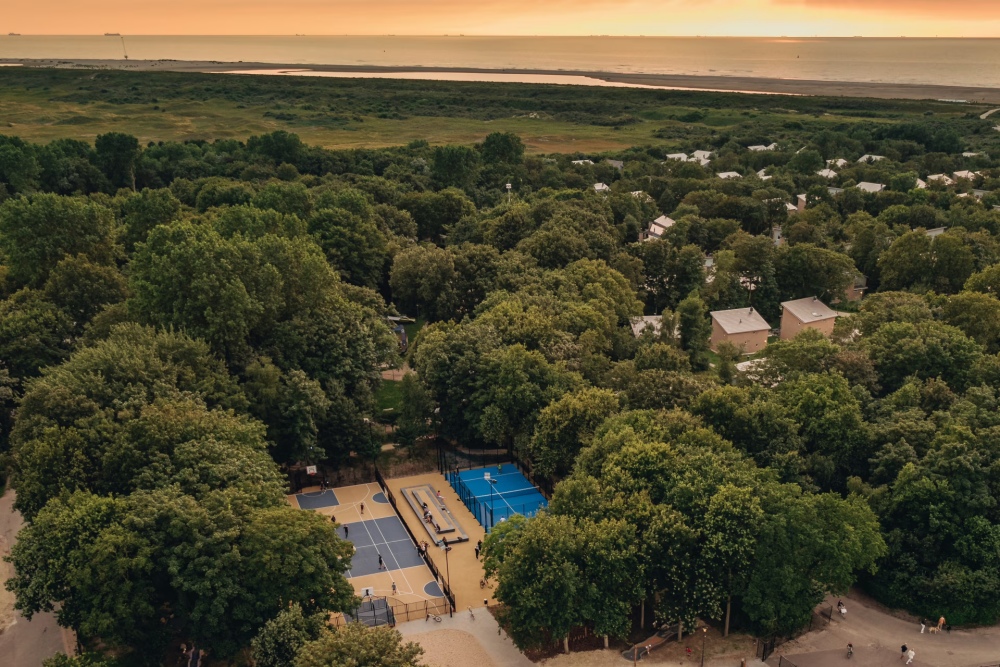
(964,10)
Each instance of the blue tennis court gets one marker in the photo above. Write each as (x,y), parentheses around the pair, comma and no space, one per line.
(494,494)
(380,537)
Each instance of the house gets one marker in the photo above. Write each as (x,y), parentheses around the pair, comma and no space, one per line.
(940,178)
(857,290)
(808,313)
(800,202)
(834,192)
(680,157)
(968,154)
(969,175)
(583,162)
(868,159)
(726,175)
(703,161)
(979,194)
(743,327)
(776,236)
(639,194)
(827,173)
(601,187)
(921,184)
(936,232)
(617,164)
(657,227)
(791,208)
(839,162)
(760,149)
(762,175)
(701,155)
(640,324)
(865,186)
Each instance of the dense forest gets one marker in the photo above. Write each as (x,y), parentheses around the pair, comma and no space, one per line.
(180,319)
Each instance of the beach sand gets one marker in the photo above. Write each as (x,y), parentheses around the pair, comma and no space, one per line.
(683,82)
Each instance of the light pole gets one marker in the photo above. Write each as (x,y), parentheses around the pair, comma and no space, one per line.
(447,565)
(704,634)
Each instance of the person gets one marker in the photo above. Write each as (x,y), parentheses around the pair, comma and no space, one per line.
(499,469)
(439,497)
(910,655)
(394,588)
(923,626)
(843,611)
(902,651)
(941,623)
(345,531)
(479,545)
(381,565)
(362,509)
(333,519)
(477,551)
(850,649)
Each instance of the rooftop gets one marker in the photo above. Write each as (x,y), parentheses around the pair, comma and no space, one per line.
(740,320)
(810,309)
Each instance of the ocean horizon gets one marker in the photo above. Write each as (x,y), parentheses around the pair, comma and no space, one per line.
(973,62)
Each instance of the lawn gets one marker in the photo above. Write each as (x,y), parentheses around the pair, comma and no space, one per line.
(389,397)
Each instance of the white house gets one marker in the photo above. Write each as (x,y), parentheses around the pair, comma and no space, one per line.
(827,173)
(658,227)
(761,149)
(921,184)
(968,154)
(680,157)
(970,175)
(940,178)
(868,159)
(617,164)
(865,186)
(762,175)
(601,187)
(936,232)
(726,175)
(839,162)
(701,155)
(583,162)
(703,161)
(652,322)
(835,192)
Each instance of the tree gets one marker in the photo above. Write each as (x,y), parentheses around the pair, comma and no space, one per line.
(117,155)
(84,660)
(142,211)
(82,288)
(502,148)
(455,166)
(566,425)
(34,333)
(925,350)
(415,412)
(803,270)
(422,280)
(436,212)
(355,645)
(354,246)
(977,315)
(281,638)
(695,330)
(37,232)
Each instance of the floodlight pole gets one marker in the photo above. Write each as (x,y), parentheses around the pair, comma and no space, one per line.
(704,634)
(492,484)
(447,564)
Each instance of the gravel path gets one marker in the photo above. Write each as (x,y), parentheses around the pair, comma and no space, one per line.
(464,642)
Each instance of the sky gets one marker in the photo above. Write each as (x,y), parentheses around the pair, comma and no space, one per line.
(914,18)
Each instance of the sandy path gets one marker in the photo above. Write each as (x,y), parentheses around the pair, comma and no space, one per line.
(452,648)
(989,113)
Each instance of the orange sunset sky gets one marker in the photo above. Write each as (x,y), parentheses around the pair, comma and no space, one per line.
(945,18)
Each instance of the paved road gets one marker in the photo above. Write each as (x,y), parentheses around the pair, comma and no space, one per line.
(25,643)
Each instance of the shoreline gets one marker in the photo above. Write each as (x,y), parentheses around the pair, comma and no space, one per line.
(686,82)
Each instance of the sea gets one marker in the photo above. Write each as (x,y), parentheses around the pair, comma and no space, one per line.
(949,62)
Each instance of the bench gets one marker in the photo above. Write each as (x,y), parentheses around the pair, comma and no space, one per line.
(447,531)
(440,520)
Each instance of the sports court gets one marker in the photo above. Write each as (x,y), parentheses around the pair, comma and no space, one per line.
(495,493)
(365,518)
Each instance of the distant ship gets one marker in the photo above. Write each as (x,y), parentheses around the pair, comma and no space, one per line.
(112,34)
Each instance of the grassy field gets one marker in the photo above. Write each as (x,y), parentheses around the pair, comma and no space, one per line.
(42,105)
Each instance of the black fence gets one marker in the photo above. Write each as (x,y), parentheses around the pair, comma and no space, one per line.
(427,559)
(396,612)
(763,648)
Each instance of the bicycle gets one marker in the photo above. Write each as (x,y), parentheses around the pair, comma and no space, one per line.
(437,619)
(472,614)
(482,583)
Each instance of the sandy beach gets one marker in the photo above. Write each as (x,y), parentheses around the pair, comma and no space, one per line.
(659,81)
